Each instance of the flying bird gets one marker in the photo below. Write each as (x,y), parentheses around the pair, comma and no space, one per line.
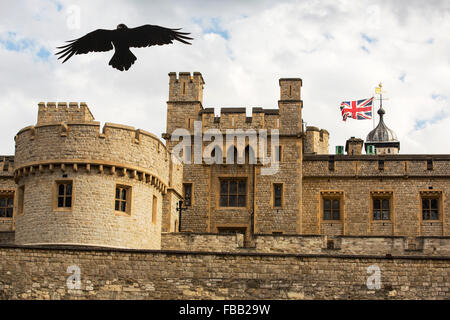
(121,39)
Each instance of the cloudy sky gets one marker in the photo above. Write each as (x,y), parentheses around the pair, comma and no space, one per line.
(340,48)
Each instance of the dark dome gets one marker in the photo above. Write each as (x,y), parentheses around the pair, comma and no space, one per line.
(381,133)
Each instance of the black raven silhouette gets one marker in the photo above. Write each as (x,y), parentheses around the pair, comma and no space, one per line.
(122,38)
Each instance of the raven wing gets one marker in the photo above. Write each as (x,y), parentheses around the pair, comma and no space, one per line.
(98,40)
(150,35)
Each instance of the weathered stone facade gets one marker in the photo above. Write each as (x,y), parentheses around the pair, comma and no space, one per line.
(307,174)
(40,273)
(95,163)
(275,236)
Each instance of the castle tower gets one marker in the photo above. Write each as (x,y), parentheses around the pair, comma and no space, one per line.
(290,105)
(80,185)
(382,138)
(185,102)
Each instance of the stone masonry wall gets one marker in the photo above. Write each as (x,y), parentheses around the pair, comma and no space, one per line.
(355,179)
(39,273)
(309,244)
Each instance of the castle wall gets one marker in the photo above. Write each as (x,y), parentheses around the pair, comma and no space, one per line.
(309,244)
(356,178)
(35,273)
(92,219)
(259,213)
(7,188)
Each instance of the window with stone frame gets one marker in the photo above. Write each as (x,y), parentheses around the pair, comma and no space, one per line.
(278,195)
(430,208)
(64,194)
(431,202)
(122,199)
(6,205)
(187,187)
(331,208)
(381,208)
(233,193)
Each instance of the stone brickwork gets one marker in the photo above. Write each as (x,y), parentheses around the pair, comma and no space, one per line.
(35,273)
(205,214)
(358,179)
(309,244)
(316,141)
(61,112)
(95,163)
(7,189)
(306,172)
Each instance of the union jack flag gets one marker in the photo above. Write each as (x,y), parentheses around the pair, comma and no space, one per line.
(358,109)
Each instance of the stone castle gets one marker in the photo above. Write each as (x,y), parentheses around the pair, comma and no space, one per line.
(74,184)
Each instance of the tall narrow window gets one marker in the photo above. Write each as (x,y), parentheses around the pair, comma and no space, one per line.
(20,199)
(64,194)
(122,199)
(430,208)
(187,194)
(277,194)
(380,164)
(331,209)
(154,209)
(381,209)
(6,206)
(429,164)
(233,193)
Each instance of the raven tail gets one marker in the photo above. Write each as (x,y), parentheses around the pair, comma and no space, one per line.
(122,59)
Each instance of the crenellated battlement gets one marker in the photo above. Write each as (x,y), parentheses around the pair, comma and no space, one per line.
(231,118)
(186,87)
(114,144)
(316,141)
(52,112)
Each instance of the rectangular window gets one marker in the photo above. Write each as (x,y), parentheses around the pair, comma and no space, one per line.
(381,209)
(380,164)
(331,165)
(187,194)
(122,199)
(233,193)
(154,209)
(430,209)
(277,194)
(64,194)
(6,206)
(429,164)
(331,209)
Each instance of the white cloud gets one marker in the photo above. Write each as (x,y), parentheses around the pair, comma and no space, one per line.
(319,41)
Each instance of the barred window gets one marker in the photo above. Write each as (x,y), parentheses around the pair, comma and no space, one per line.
(233,193)
(277,194)
(381,209)
(6,206)
(430,209)
(122,201)
(331,209)
(64,196)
